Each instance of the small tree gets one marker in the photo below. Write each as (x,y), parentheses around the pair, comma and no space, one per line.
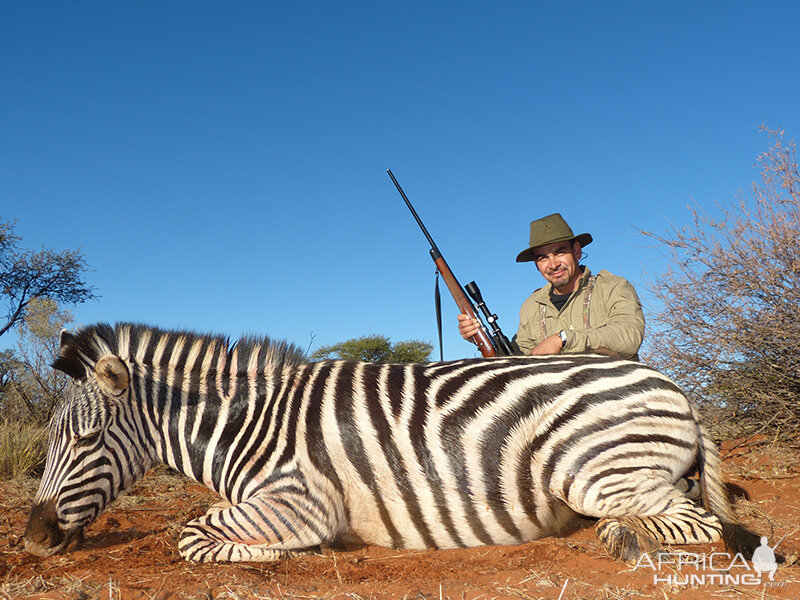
(38,347)
(28,274)
(31,388)
(727,327)
(376,348)
(14,403)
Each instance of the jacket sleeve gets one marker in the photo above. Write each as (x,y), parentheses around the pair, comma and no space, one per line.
(526,338)
(622,328)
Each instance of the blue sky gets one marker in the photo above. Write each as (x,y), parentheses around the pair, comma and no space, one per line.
(222,166)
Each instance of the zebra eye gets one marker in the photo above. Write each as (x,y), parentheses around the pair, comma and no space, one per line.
(87,439)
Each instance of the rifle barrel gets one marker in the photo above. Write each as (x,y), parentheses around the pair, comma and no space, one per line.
(416,217)
(481,338)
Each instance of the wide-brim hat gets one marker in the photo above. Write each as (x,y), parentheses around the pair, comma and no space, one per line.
(547,230)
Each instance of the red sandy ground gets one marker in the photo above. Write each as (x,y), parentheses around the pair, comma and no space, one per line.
(131,553)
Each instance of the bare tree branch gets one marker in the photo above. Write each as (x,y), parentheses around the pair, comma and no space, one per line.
(727,326)
(27,274)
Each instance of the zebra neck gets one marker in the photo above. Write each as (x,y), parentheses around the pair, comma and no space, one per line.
(193,423)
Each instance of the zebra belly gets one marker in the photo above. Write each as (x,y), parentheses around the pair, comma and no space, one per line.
(460,522)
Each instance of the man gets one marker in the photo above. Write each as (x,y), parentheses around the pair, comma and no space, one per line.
(576,311)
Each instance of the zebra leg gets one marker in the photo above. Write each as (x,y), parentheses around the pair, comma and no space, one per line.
(643,511)
(266,527)
(682,523)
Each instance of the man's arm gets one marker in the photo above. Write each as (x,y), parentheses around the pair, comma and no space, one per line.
(552,344)
(527,338)
(623,330)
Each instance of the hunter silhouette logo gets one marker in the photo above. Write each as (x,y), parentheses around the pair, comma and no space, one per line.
(764,559)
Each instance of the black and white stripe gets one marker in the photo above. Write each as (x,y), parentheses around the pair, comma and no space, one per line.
(442,455)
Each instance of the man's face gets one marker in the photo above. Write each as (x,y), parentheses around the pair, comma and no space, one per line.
(558,264)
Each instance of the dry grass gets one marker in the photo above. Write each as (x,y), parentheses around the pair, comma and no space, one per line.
(68,586)
(767,461)
(23,449)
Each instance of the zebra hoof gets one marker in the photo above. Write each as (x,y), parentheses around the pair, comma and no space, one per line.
(623,539)
(689,488)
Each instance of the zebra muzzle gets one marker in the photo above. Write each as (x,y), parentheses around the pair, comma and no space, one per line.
(43,536)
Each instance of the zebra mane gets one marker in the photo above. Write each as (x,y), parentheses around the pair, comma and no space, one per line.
(136,342)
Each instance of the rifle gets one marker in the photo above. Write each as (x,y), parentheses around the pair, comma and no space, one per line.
(485,344)
(502,344)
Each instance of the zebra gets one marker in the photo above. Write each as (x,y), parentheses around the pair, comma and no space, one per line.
(428,455)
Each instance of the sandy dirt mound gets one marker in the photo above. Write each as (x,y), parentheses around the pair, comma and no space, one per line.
(131,553)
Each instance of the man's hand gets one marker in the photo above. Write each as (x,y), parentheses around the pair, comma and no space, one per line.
(467,327)
(549,345)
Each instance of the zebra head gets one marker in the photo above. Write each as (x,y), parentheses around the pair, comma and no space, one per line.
(90,457)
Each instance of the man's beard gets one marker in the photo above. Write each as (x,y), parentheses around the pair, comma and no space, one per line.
(560,278)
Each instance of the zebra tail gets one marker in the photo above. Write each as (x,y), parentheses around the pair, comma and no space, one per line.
(714,495)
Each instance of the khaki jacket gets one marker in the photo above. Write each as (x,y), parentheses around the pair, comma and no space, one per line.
(611,319)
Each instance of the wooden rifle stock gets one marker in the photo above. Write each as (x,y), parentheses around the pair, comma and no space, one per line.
(481,339)
(464,304)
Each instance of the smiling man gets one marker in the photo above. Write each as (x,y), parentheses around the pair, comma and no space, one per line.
(576,311)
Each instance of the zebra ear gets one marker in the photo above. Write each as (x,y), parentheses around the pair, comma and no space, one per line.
(66,338)
(112,374)
(68,361)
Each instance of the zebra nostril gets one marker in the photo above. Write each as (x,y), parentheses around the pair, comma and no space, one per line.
(39,536)
(43,526)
